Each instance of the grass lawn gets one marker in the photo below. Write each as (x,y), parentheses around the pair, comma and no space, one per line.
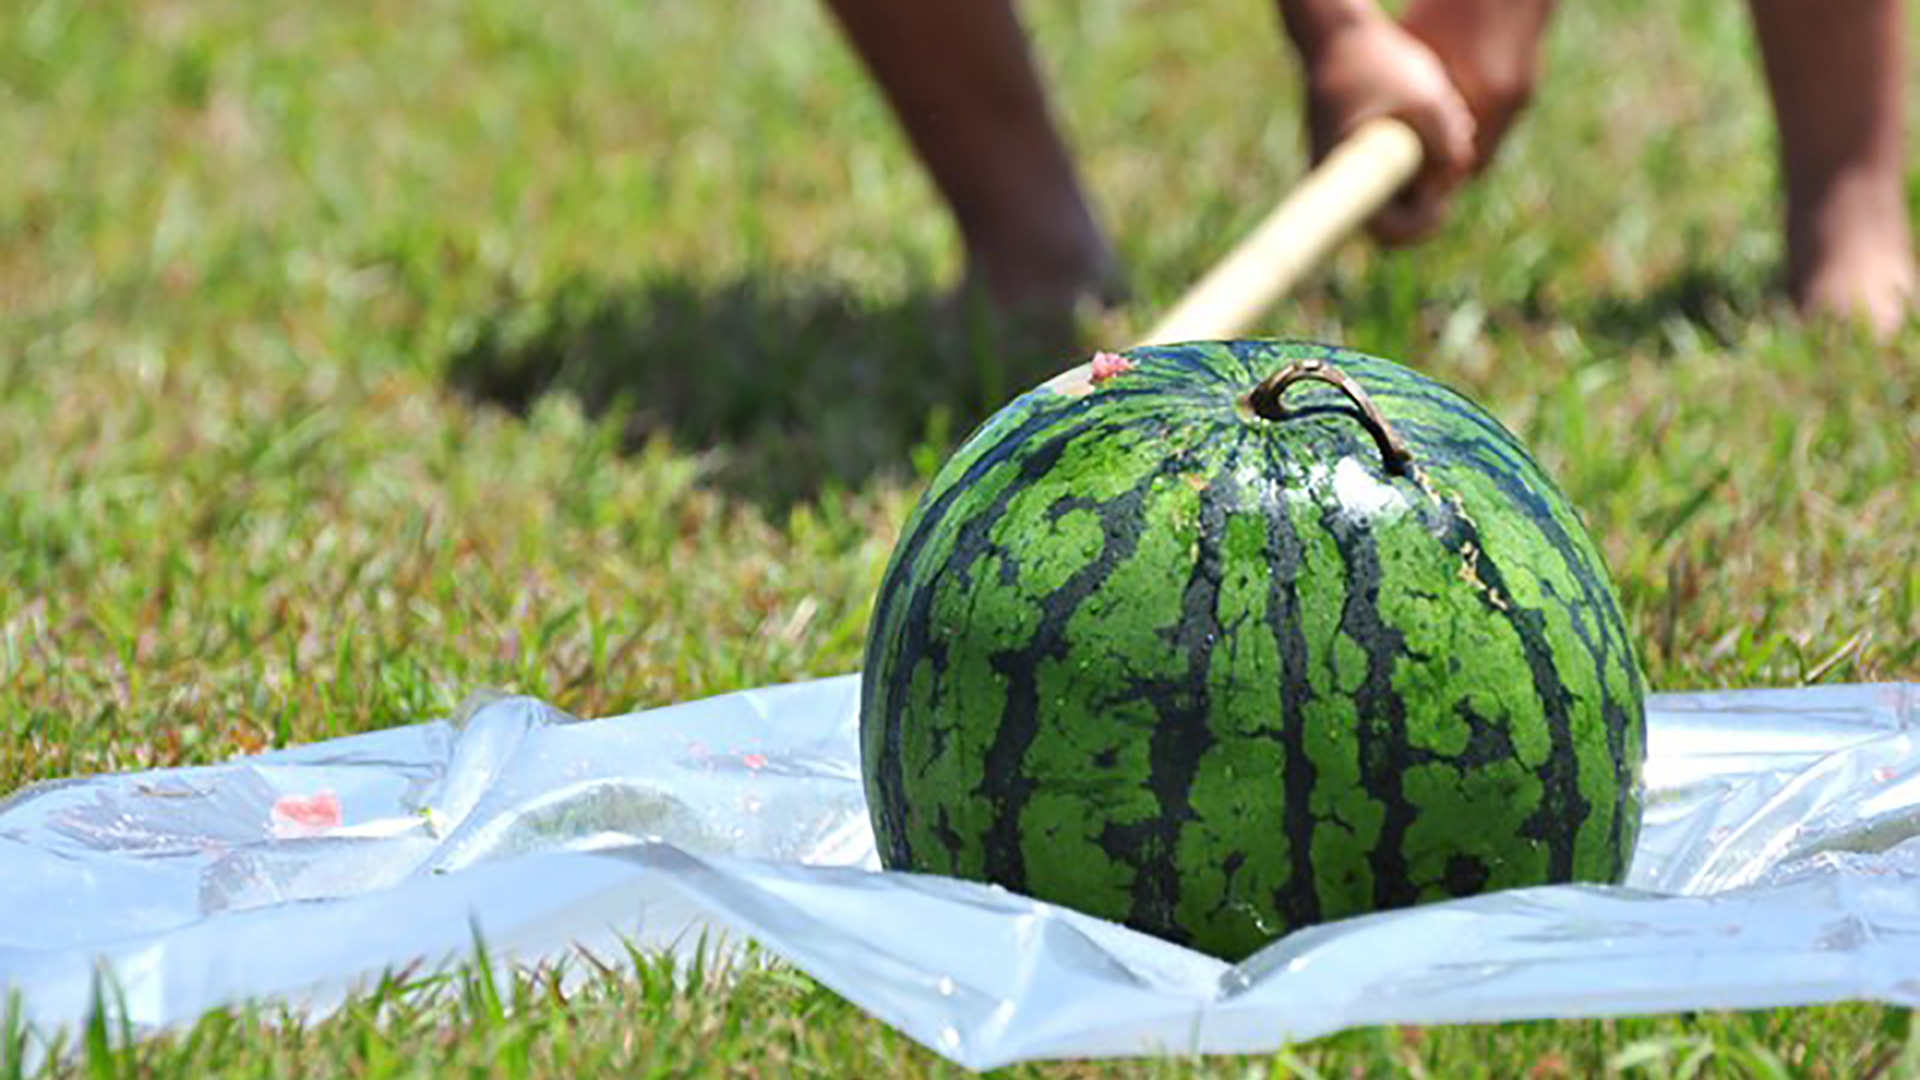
(354,356)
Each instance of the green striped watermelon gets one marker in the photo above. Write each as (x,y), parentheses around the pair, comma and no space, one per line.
(1219,663)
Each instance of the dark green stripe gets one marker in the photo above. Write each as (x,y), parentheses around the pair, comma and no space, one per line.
(1004,781)
(1171,360)
(1299,902)
(892,648)
(1379,705)
(1184,707)
(1562,805)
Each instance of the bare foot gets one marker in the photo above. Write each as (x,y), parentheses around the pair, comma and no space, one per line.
(1836,75)
(1056,266)
(1022,319)
(1851,258)
(1874,287)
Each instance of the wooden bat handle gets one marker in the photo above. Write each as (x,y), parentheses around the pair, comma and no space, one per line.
(1361,174)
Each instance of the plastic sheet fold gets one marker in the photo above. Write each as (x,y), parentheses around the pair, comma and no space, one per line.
(1779,865)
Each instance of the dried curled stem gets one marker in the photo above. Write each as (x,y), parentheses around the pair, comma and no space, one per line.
(1265,402)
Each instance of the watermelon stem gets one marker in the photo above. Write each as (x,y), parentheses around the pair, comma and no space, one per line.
(1265,402)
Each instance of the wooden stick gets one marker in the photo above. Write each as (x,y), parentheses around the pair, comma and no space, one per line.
(1361,174)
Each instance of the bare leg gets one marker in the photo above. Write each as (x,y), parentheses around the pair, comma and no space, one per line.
(1834,67)
(962,82)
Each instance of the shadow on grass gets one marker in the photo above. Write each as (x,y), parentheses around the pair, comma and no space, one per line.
(1696,300)
(794,388)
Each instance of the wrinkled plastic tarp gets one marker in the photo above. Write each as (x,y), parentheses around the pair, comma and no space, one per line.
(1780,865)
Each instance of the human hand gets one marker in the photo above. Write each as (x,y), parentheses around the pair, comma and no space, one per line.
(1490,50)
(1369,67)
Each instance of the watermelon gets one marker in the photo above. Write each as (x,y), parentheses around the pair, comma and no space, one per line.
(1223,639)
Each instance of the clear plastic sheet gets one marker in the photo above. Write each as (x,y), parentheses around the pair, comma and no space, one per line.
(1780,865)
